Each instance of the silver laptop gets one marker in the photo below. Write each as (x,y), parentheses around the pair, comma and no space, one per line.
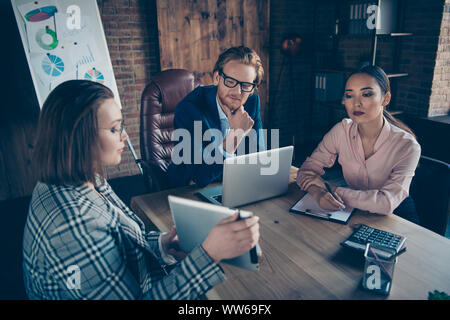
(252,177)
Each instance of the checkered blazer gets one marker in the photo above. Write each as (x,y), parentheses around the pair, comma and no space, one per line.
(76,245)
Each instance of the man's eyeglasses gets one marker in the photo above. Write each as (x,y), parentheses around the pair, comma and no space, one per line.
(231,83)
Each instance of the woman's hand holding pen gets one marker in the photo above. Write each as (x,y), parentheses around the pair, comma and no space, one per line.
(317,187)
(329,202)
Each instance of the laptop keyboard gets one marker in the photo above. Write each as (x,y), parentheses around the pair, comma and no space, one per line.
(218,198)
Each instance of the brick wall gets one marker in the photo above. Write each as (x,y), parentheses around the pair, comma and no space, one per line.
(131,31)
(423,19)
(440,91)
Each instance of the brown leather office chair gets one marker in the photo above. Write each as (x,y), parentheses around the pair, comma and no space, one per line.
(159,99)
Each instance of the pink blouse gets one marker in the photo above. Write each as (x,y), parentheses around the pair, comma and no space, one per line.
(377,184)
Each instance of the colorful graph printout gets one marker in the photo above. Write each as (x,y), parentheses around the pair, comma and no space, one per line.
(46,38)
(95,75)
(41,14)
(52,65)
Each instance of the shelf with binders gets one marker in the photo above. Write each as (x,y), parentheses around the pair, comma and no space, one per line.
(360,17)
(365,35)
(396,34)
(329,85)
(363,16)
(396,75)
(351,24)
(347,72)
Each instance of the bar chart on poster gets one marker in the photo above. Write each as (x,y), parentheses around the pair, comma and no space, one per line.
(63,40)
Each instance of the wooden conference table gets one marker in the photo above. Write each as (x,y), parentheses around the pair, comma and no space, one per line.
(302,256)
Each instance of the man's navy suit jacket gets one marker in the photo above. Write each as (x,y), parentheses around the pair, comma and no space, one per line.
(201,105)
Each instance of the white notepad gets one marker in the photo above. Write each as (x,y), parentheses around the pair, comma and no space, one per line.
(309,206)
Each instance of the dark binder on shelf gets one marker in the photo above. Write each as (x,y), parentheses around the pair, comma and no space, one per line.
(351,19)
(329,86)
(358,17)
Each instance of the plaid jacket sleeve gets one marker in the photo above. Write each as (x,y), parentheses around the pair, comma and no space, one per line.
(76,246)
(113,257)
(104,273)
(151,238)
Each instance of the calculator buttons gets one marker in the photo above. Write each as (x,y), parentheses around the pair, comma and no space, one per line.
(365,234)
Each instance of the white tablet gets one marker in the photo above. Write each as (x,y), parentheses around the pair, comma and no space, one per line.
(194,220)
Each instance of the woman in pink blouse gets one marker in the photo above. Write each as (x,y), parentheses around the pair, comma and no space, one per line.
(378,153)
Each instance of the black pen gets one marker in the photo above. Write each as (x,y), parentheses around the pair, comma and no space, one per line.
(329,189)
(253,253)
(331,192)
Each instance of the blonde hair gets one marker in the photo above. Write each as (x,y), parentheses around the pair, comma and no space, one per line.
(243,55)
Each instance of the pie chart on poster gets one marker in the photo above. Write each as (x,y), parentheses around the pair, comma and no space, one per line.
(94,75)
(46,38)
(52,65)
(41,14)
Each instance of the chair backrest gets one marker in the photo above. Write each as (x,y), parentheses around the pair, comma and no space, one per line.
(159,100)
(430,189)
(14,214)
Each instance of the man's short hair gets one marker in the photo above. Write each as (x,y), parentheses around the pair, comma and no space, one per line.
(242,55)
